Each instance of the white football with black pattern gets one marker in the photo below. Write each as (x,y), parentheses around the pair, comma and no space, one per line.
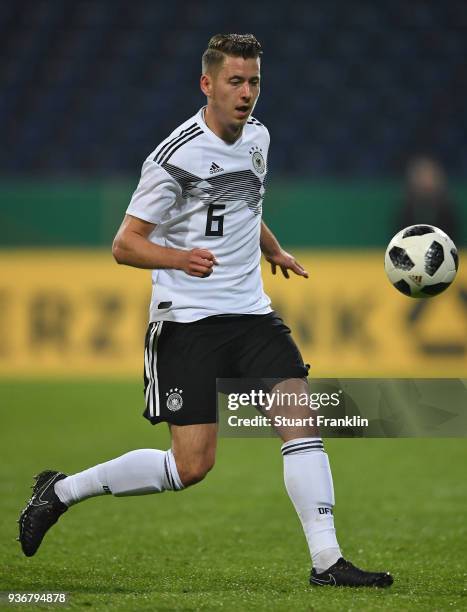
(421,261)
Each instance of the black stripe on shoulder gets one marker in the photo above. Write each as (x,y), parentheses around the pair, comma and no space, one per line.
(187,130)
(253,121)
(176,145)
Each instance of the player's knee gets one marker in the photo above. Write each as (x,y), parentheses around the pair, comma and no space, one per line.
(194,471)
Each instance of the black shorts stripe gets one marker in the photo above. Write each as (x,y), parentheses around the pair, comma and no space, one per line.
(151,380)
(148,363)
(155,378)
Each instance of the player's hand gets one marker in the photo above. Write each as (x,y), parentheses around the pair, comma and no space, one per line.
(286,262)
(199,262)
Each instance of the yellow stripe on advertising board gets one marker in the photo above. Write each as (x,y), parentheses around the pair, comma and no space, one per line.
(350,321)
(77,313)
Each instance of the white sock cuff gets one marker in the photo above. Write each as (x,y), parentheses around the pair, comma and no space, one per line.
(171,472)
(302,445)
(324,539)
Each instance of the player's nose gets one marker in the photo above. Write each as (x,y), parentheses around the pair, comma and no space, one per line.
(246,92)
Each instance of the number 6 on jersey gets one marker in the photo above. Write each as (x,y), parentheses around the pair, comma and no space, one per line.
(215,223)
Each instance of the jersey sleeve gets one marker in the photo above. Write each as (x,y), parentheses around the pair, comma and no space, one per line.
(268,137)
(155,194)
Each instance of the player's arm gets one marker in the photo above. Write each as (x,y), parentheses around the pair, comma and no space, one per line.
(132,247)
(276,256)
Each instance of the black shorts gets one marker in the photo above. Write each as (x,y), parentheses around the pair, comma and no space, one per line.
(183,360)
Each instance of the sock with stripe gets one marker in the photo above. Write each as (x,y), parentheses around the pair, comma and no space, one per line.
(138,472)
(308,481)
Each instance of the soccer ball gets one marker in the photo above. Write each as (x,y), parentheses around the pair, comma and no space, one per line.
(421,261)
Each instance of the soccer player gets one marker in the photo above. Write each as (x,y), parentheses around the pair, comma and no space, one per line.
(195,221)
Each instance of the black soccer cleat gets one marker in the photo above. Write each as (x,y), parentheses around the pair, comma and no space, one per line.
(42,511)
(343,573)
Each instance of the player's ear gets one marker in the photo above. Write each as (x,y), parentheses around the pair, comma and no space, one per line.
(206,84)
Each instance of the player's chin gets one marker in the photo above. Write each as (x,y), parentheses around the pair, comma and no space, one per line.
(239,124)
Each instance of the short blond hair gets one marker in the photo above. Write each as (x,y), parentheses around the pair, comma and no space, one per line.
(236,45)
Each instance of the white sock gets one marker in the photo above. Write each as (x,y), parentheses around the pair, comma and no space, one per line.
(308,481)
(138,472)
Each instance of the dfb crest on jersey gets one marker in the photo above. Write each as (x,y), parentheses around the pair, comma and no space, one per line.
(257,160)
(174,399)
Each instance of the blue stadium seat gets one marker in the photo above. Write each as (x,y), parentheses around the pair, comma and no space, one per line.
(347,87)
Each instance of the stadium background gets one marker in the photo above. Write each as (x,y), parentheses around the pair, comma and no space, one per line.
(351,92)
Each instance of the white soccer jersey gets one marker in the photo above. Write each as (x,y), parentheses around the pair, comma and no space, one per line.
(204,193)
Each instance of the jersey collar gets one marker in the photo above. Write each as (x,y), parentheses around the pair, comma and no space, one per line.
(210,133)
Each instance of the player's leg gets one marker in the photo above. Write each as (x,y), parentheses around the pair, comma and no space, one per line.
(148,470)
(194,449)
(307,472)
(139,472)
(144,471)
(308,481)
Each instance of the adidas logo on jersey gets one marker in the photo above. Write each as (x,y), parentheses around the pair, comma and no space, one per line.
(215,168)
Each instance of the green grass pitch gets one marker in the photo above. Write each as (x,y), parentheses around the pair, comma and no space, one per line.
(232,542)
